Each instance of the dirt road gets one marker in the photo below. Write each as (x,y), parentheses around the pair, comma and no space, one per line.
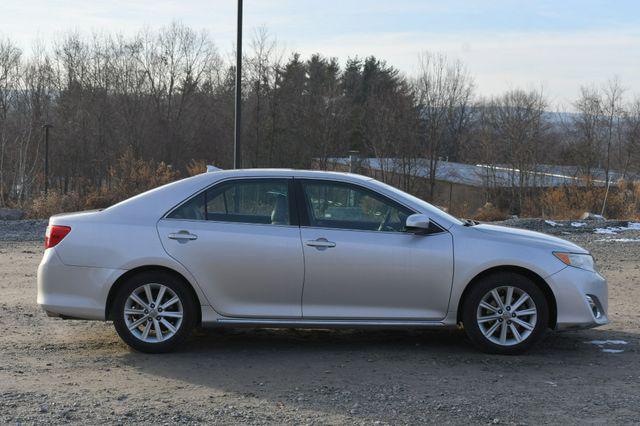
(76,371)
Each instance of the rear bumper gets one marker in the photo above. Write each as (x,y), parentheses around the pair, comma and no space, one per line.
(571,286)
(73,291)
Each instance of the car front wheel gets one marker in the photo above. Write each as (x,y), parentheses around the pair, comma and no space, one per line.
(154,312)
(505,313)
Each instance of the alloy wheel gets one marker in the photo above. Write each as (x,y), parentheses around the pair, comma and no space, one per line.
(506,315)
(153,313)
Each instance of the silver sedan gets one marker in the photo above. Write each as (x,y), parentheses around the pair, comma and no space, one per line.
(288,248)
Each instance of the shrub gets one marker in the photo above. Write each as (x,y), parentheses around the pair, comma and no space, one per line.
(195,167)
(132,175)
(54,202)
(569,202)
(128,177)
(489,213)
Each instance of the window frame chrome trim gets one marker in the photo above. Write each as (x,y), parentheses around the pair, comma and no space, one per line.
(299,182)
(290,183)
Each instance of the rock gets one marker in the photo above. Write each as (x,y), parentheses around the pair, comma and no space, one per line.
(11,214)
(591,216)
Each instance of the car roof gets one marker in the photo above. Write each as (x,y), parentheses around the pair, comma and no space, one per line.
(289,173)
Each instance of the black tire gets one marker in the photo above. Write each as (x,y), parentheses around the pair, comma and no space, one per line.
(495,281)
(189,308)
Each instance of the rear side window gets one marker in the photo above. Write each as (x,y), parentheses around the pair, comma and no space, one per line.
(263,201)
(345,206)
(192,209)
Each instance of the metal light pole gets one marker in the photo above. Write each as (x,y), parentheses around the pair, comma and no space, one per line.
(46,128)
(237,154)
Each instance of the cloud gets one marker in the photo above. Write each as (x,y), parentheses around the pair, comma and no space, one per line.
(560,62)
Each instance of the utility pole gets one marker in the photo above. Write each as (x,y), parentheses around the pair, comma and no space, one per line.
(46,128)
(237,154)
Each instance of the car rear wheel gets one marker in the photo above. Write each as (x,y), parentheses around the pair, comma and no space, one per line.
(505,313)
(154,312)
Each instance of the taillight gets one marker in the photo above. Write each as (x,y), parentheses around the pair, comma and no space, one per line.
(55,234)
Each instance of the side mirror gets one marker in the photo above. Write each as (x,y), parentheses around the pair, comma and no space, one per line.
(418,222)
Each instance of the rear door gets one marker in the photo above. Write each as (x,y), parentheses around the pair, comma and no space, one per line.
(241,241)
(361,264)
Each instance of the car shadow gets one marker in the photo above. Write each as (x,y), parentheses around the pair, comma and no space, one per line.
(279,365)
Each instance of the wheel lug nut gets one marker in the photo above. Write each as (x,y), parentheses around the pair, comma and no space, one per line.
(499,319)
(146,311)
(508,322)
(513,314)
(153,306)
(500,311)
(508,308)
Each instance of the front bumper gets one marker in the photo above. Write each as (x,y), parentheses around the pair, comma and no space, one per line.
(571,286)
(73,291)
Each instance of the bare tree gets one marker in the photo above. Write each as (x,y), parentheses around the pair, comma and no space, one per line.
(519,130)
(444,91)
(631,153)
(612,119)
(587,130)
(167,96)
(261,71)
(9,88)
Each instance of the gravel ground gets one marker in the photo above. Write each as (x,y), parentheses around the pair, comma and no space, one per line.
(23,230)
(54,371)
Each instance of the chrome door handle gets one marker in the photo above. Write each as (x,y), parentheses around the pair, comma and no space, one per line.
(183,235)
(320,243)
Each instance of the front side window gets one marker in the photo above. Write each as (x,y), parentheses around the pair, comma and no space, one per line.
(263,201)
(345,206)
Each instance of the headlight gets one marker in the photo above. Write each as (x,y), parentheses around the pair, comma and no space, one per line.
(582,261)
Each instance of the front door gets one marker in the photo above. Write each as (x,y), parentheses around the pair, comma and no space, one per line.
(361,264)
(241,242)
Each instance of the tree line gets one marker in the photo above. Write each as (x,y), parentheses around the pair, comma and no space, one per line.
(167,97)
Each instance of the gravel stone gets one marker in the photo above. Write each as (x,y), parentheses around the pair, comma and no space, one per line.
(55,371)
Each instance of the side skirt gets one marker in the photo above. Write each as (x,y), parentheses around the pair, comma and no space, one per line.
(316,323)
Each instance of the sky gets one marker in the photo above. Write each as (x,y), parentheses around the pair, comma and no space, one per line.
(556,46)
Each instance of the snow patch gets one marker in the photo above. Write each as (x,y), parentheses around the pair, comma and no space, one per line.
(552,223)
(619,240)
(631,226)
(578,224)
(605,231)
(602,343)
(608,342)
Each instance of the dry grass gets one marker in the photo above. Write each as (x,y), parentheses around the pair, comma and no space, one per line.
(489,213)
(130,176)
(195,167)
(54,202)
(569,202)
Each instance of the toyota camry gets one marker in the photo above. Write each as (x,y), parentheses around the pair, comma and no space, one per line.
(289,248)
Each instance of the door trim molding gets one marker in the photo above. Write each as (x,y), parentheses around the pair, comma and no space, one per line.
(322,323)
